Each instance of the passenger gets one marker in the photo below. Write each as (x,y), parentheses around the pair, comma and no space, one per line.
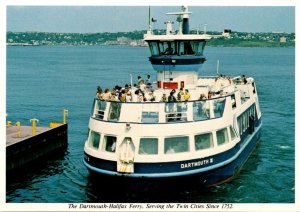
(128,96)
(106,95)
(117,91)
(163,98)
(169,50)
(202,97)
(139,80)
(171,100)
(180,95)
(244,79)
(151,96)
(140,97)
(99,94)
(114,96)
(187,95)
(144,97)
(142,86)
(180,99)
(170,150)
(148,80)
(135,96)
(126,90)
(122,96)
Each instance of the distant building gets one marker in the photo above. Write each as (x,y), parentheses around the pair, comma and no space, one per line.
(226,33)
(282,39)
(123,40)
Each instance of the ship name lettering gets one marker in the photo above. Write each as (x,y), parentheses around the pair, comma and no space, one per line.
(196,163)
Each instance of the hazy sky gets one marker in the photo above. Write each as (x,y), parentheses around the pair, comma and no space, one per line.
(93,19)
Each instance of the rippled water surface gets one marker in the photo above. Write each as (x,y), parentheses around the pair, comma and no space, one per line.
(41,81)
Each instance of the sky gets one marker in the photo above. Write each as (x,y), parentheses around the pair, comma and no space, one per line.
(93,19)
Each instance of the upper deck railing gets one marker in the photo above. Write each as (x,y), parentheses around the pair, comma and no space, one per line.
(160,112)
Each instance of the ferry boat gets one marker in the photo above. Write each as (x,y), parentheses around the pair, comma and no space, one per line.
(208,132)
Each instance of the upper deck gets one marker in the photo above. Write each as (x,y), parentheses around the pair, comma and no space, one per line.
(206,101)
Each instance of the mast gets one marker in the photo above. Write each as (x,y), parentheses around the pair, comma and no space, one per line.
(183,19)
(149,31)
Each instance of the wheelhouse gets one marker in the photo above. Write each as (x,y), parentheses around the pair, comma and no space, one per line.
(176,47)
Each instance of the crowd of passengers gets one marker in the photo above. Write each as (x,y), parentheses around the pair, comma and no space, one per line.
(142,92)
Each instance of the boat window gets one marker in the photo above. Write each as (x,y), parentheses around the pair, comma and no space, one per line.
(191,48)
(148,146)
(176,144)
(232,133)
(240,125)
(199,47)
(244,96)
(109,143)
(114,111)
(203,141)
(94,139)
(150,113)
(244,122)
(149,117)
(201,110)
(167,48)
(233,102)
(100,109)
(186,48)
(176,111)
(153,48)
(222,136)
(219,105)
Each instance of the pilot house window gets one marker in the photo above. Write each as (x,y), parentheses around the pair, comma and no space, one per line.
(176,47)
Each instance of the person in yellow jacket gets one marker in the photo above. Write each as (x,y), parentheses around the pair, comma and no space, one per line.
(187,95)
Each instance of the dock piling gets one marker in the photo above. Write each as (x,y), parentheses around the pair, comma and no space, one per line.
(65,114)
(18,124)
(34,122)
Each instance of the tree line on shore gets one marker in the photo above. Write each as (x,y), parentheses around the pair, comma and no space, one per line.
(241,39)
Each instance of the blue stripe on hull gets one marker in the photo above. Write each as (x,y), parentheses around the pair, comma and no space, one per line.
(222,166)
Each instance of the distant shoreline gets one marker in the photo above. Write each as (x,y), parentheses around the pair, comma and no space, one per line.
(135,39)
(207,45)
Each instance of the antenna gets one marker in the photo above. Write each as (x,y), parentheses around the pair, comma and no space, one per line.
(182,19)
(149,22)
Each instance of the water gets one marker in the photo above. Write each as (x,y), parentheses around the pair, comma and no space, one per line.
(41,81)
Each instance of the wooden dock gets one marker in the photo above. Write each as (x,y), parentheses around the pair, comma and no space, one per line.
(22,146)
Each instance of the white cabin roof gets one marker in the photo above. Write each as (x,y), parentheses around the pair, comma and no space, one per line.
(171,37)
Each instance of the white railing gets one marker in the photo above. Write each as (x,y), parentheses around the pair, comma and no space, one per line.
(160,112)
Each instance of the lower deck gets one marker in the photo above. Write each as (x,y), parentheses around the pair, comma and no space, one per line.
(209,170)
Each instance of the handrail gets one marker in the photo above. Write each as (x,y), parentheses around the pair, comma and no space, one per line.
(196,110)
(155,102)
